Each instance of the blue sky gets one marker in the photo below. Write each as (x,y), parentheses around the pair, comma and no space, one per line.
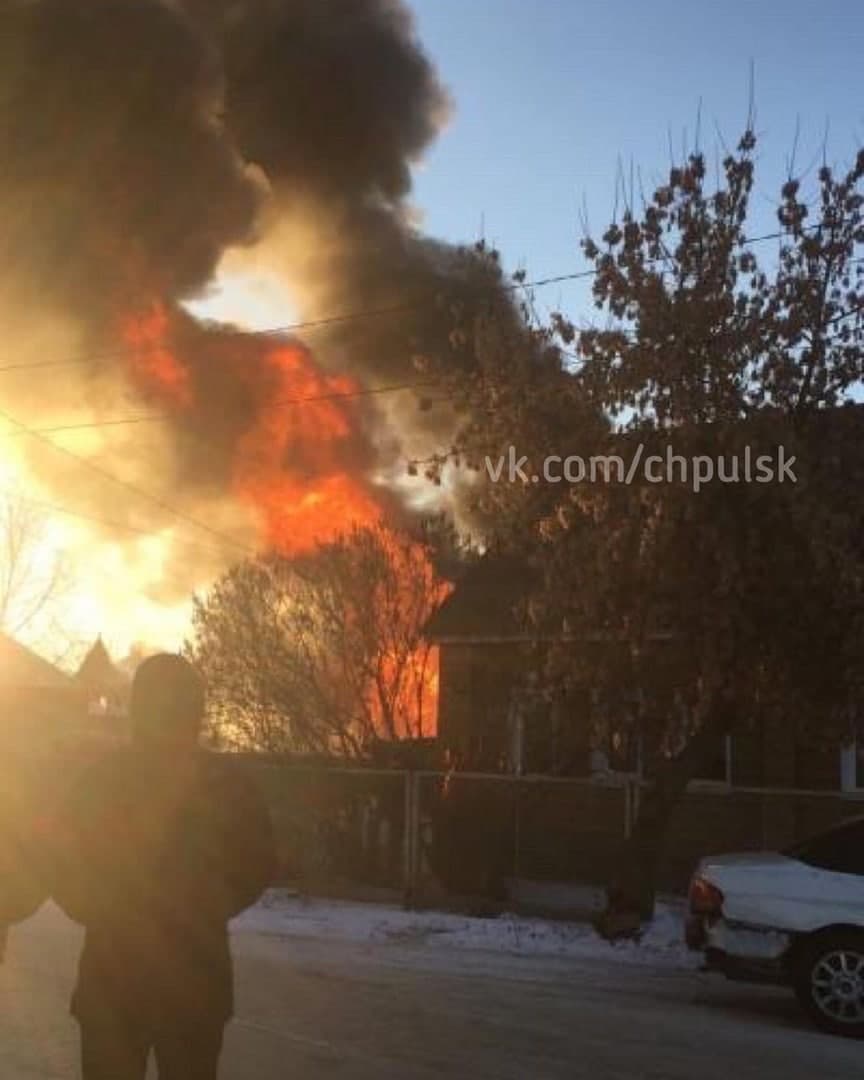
(549,93)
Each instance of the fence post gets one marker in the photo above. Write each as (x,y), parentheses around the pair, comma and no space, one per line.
(517,829)
(406,841)
(411,846)
(632,798)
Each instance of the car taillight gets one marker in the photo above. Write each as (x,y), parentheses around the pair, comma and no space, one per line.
(705,898)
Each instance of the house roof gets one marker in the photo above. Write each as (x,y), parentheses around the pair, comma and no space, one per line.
(98,671)
(483,606)
(21,668)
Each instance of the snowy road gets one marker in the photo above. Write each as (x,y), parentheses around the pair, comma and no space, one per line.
(406,1008)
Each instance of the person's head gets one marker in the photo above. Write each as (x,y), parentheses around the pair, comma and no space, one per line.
(167,703)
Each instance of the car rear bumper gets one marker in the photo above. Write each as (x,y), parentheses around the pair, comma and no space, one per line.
(695,932)
(740,952)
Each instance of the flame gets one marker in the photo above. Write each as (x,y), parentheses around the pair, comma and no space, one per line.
(292,463)
(288,463)
(298,464)
(410,682)
(153,364)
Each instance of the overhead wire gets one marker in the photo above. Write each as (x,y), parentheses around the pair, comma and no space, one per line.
(43,435)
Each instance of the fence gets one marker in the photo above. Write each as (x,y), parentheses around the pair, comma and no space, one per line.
(431,835)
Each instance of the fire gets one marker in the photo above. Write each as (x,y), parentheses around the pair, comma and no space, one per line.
(289,464)
(408,705)
(153,364)
(297,460)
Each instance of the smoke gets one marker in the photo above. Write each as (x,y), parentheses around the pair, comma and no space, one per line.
(331,98)
(141,142)
(335,101)
(119,178)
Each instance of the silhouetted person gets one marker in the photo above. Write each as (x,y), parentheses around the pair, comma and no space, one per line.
(161,844)
(23,882)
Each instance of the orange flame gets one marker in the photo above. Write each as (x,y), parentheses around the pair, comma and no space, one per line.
(299,465)
(404,700)
(152,361)
(289,464)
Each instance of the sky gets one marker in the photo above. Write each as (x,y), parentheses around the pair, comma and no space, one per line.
(550,94)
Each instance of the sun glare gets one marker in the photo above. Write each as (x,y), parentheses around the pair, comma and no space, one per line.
(251,300)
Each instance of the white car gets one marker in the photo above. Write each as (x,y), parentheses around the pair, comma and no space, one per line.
(793,917)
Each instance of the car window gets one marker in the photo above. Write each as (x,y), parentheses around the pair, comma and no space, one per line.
(840,849)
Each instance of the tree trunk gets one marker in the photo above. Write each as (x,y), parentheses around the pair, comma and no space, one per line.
(631,894)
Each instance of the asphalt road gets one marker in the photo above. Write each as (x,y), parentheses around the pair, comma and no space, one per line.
(309,1009)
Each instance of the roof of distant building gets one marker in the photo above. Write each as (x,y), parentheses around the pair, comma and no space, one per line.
(21,668)
(98,671)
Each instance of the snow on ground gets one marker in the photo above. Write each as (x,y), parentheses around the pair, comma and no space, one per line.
(287,915)
(385,1008)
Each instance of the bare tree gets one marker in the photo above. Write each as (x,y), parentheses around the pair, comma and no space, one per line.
(322,653)
(34,575)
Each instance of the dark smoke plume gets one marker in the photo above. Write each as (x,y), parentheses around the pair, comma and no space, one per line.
(142,140)
(333,98)
(119,180)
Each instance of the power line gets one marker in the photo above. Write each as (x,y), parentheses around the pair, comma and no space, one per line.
(109,476)
(43,435)
(157,418)
(305,325)
(359,315)
(180,584)
(153,418)
(106,523)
